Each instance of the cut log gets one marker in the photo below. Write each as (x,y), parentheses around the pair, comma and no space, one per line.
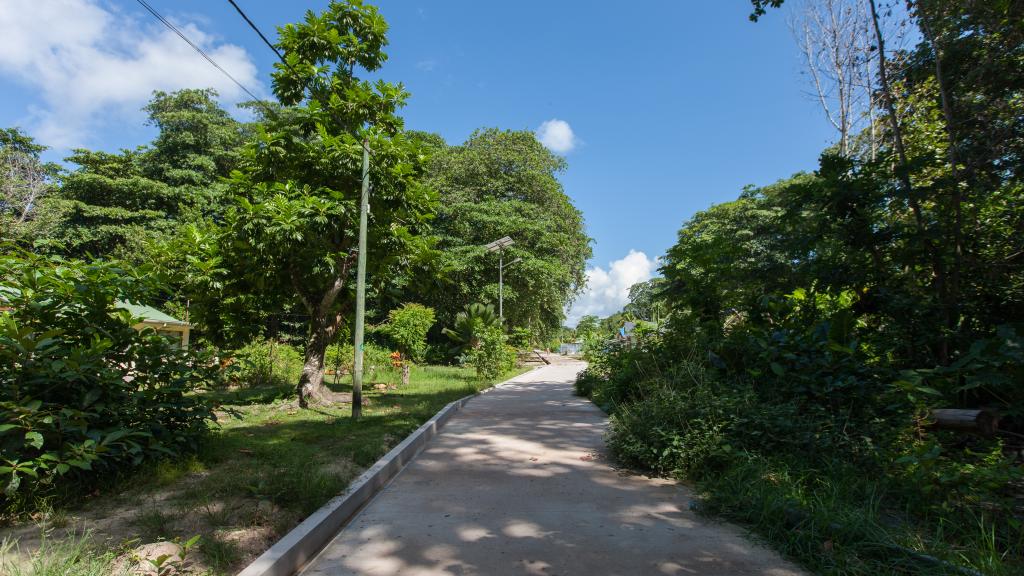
(983,422)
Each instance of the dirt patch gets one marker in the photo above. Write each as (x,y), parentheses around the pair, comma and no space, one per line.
(233,531)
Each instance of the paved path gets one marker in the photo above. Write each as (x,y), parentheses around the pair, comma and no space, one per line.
(517,484)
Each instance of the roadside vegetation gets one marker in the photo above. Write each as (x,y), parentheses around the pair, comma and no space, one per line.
(264,466)
(114,435)
(816,327)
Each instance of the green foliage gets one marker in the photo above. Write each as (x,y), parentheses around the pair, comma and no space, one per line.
(82,393)
(377,363)
(815,322)
(291,237)
(112,204)
(504,183)
(26,184)
(264,363)
(467,331)
(646,301)
(407,328)
(493,356)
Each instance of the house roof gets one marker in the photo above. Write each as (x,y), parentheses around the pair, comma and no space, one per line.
(150,314)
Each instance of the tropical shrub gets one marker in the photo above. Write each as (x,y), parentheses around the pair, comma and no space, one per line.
(470,324)
(265,362)
(493,357)
(407,328)
(82,393)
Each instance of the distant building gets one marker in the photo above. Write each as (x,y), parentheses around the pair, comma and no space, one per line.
(570,348)
(174,330)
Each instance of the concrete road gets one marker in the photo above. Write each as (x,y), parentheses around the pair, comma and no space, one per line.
(518,483)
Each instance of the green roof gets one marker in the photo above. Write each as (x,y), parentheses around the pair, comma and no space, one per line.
(149,314)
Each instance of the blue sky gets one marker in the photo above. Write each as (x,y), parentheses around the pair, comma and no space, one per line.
(673,106)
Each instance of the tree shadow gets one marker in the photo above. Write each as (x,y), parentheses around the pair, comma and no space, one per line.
(519,483)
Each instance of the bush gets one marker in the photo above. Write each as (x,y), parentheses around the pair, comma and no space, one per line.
(376,361)
(265,362)
(82,393)
(801,429)
(407,328)
(493,357)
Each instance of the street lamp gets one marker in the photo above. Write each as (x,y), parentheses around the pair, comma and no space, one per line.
(499,245)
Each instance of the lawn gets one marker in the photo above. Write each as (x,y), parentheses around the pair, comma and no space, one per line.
(268,465)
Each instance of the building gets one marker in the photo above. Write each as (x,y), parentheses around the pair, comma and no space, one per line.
(570,348)
(167,326)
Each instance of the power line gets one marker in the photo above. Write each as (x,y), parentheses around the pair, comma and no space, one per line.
(305,86)
(201,52)
(258,31)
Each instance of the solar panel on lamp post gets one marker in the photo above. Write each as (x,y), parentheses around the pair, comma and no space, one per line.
(499,245)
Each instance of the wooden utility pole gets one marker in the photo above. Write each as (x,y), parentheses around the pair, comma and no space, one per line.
(357,364)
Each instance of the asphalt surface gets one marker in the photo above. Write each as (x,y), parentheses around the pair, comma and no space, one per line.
(517,483)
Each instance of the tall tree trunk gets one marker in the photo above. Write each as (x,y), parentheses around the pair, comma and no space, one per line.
(953,157)
(406,368)
(903,175)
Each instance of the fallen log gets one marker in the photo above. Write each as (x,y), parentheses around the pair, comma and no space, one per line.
(984,422)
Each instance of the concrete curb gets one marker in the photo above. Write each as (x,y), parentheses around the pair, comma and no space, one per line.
(296,548)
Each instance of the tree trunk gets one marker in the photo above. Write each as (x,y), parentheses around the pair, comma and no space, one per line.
(311,383)
(406,368)
(952,155)
(903,175)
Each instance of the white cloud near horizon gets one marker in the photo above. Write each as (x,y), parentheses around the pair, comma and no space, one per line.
(607,291)
(91,65)
(556,135)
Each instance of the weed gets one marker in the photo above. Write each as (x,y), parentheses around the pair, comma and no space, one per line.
(73,556)
(219,553)
(153,524)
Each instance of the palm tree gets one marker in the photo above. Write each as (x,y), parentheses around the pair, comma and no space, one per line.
(469,325)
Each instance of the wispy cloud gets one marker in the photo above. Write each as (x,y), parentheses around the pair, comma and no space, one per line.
(607,291)
(91,65)
(556,135)
(427,65)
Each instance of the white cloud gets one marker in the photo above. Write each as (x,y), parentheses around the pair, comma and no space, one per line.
(90,65)
(607,291)
(428,65)
(556,135)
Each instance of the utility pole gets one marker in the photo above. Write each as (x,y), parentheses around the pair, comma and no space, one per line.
(357,364)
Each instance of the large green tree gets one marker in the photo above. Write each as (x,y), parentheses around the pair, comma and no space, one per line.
(292,236)
(112,203)
(505,183)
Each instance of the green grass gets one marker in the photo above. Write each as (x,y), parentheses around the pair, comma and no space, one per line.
(836,521)
(266,466)
(72,556)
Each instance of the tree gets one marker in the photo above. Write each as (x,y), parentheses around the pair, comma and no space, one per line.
(587,327)
(645,300)
(114,204)
(407,327)
(292,234)
(504,183)
(25,182)
(834,37)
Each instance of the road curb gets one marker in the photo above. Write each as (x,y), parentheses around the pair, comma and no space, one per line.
(289,554)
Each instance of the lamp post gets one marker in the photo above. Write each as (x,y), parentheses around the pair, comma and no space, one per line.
(499,245)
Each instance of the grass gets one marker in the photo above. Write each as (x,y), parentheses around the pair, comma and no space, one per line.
(75,555)
(836,521)
(268,465)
